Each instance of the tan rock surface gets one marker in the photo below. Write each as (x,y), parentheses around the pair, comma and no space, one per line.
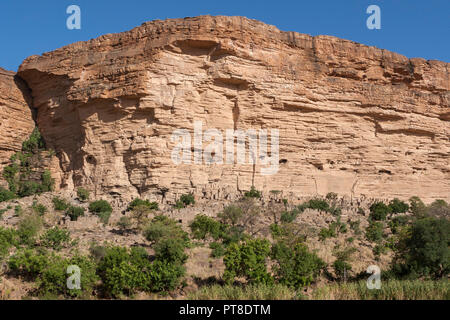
(16,121)
(353,119)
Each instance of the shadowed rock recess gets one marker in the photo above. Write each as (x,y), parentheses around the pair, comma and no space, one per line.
(353,119)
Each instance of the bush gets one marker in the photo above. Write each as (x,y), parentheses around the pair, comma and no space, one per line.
(187,199)
(374,231)
(253,193)
(318,204)
(424,251)
(296,267)
(439,209)
(49,271)
(124,223)
(125,272)
(418,208)
(55,238)
(398,222)
(74,212)
(379,211)
(83,194)
(289,216)
(397,206)
(162,227)
(102,209)
(60,204)
(218,250)
(8,239)
(355,226)
(6,195)
(231,215)
(47,183)
(138,202)
(248,260)
(331,196)
(34,143)
(28,228)
(203,226)
(40,209)
(326,233)
(170,250)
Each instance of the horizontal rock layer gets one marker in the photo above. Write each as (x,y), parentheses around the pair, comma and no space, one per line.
(16,121)
(352,119)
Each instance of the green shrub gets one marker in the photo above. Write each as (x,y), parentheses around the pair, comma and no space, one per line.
(29,227)
(331,196)
(170,250)
(439,209)
(28,262)
(231,215)
(253,193)
(418,208)
(397,206)
(102,209)
(355,226)
(218,250)
(296,267)
(162,227)
(47,183)
(398,222)
(203,226)
(124,272)
(34,143)
(75,212)
(179,205)
(55,238)
(374,231)
(49,271)
(424,251)
(60,204)
(124,223)
(318,204)
(39,208)
(83,194)
(379,211)
(248,260)
(289,216)
(326,233)
(341,268)
(146,203)
(187,199)
(6,195)
(8,239)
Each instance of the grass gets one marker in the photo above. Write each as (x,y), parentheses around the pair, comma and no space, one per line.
(249,292)
(390,290)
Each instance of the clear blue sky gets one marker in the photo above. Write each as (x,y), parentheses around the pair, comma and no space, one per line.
(415,28)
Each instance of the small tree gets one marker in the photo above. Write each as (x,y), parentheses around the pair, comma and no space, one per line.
(102,209)
(83,194)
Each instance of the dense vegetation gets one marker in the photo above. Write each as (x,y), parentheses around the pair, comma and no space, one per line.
(280,264)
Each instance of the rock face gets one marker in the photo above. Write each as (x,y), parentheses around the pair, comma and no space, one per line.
(352,119)
(16,121)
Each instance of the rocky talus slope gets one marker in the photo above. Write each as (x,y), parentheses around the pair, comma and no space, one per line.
(352,119)
(16,121)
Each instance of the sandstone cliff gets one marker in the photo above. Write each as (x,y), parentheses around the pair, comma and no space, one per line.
(16,121)
(353,119)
